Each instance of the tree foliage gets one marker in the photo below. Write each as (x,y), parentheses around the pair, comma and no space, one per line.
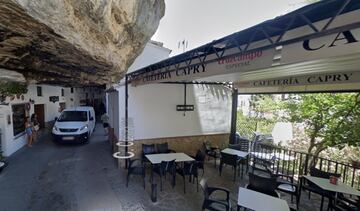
(331,120)
(262,117)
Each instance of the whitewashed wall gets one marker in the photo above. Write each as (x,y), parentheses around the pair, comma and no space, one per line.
(9,143)
(151,54)
(79,94)
(51,109)
(152,108)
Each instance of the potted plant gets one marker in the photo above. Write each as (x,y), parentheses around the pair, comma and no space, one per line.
(3,163)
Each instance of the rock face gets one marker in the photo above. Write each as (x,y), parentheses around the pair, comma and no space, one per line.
(75,42)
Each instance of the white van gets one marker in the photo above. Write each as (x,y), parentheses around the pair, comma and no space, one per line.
(74,124)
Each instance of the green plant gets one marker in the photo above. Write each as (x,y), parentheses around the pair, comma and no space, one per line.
(330,120)
(12,88)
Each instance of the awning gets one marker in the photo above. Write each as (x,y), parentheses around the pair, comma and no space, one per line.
(321,40)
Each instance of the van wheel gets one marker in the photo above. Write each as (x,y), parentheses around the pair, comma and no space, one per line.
(88,138)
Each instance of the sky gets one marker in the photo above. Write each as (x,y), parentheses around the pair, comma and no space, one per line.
(202,21)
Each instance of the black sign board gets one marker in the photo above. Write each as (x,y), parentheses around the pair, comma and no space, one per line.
(184,107)
(54,99)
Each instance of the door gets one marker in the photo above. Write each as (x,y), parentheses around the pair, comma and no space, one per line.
(40,113)
(62,106)
(96,106)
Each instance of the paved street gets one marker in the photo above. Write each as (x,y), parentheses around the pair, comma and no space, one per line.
(80,177)
(85,177)
(60,177)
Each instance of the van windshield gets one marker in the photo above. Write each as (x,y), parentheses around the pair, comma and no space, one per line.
(73,116)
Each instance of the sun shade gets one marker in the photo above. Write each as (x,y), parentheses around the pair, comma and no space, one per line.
(269,44)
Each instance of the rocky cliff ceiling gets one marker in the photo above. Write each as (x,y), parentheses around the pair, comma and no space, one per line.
(74,42)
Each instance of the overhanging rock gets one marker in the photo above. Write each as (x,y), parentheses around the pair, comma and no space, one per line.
(75,42)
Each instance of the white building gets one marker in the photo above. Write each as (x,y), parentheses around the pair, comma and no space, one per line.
(152,108)
(38,100)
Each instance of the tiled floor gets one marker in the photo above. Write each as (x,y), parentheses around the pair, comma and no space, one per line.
(85,177)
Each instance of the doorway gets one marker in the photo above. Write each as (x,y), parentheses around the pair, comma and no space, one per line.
(40,113)
(62,106)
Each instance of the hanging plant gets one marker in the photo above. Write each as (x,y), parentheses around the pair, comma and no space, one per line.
(12,88)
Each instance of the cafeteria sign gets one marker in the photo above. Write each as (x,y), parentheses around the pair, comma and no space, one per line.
(328,78)
(231,63)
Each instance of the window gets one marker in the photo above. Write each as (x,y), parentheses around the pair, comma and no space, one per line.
(86,95)
(19,115)
(39,91)
(71,90)
(62,92)
(90,116)
(73,116)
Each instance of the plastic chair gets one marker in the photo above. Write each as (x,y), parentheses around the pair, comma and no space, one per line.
(146,150)
(166,167)
(210,151)
(163,148)
(231,160)
(200,159)
(136,167)
(266,185)
(189,169)
(214,203)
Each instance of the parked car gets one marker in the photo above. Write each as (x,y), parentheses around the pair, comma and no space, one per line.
(74,125)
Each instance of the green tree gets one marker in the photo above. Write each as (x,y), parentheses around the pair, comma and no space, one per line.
(331,120)
(262,116)
(264,110)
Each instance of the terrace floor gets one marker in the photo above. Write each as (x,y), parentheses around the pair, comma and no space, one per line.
(85,177)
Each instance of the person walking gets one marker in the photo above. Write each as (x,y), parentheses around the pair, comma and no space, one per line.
(29,131)
(36,125)
(105,120)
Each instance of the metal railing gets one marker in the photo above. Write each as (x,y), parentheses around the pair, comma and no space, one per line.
(298,163)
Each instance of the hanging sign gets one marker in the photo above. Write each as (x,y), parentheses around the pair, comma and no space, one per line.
(185,107)
(318,79)
(54,99)
(339,44)
(228,64)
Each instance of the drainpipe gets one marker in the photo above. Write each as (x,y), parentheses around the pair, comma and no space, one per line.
(233,115)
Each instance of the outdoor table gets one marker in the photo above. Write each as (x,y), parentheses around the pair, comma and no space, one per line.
(325,184)
(158,158)
(239,153)
(178,157)
(260,202)
(269,156)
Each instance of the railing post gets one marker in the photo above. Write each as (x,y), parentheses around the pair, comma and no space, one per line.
(306,164)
